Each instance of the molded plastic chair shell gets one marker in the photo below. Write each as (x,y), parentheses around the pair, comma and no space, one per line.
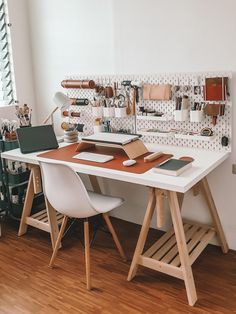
(66,192)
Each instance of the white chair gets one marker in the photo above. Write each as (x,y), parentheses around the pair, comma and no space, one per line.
(66,192)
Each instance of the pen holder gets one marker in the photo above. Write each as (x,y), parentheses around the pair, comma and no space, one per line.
(10,136)
(109,112)
(120,112)
(181,115)
(97,112)
(196,116)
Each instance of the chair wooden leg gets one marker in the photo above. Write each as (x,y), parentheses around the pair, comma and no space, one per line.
(114,236)
(52,219)
(87,253)
(143,234)
(58,241)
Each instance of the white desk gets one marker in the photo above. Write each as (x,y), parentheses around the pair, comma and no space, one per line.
(175,252)
(204,163)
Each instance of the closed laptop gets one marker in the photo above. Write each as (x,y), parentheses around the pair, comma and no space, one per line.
(36,138)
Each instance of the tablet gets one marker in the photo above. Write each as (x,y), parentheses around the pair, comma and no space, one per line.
(36,138)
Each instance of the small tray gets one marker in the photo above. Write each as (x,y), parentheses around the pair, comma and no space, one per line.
(195,137)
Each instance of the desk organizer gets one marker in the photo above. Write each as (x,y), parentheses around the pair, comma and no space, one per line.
(180,129)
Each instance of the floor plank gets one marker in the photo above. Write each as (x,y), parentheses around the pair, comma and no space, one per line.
(27,285)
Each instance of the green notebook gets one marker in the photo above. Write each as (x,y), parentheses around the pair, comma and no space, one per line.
(173,167)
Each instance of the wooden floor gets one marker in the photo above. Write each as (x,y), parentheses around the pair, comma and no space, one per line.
(27,285)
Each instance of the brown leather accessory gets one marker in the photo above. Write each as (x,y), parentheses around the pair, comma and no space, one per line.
(186,158)
(216,88)
(79,101)
(67,153)
(108,92)
(152,156)
(84,84)
(65,126)
(72,114)
(214,110)
(157,92)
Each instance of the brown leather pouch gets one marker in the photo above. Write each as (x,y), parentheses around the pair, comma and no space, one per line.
(214,110)
(157,92)
(216,88)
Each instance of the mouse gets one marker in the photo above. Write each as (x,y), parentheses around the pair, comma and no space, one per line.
(129,162)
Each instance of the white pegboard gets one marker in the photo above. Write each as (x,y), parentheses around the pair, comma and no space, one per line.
(222,128)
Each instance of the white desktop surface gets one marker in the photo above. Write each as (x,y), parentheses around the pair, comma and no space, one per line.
(204,163)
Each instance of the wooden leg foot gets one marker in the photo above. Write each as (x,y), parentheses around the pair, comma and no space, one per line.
(52,219)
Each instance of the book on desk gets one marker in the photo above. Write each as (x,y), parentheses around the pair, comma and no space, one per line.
(173,167)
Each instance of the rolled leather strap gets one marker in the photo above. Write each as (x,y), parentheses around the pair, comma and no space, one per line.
(84,84)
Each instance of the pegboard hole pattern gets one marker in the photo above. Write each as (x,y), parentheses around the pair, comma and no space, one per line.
(186,82)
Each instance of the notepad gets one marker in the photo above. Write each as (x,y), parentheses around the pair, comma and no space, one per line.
(101,158)
(173,167)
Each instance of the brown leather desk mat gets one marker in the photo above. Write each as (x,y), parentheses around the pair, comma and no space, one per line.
(67,153)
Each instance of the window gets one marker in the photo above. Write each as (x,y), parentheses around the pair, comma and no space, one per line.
(7,90)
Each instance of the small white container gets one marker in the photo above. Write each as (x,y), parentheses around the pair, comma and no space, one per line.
(196,116)
(98,128)
(181,115)
(120,112)
(97,112)
(109,112)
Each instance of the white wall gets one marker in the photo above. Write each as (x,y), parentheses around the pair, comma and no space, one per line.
(68,37)
(137,36)
(22,57)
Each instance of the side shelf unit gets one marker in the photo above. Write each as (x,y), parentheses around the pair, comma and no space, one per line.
(13,186)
